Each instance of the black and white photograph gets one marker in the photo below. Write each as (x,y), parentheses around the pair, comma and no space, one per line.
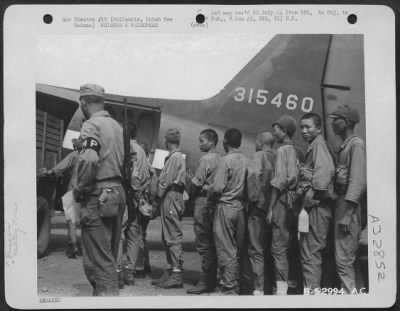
(199,164)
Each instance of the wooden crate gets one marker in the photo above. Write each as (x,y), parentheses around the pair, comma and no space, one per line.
(49,139)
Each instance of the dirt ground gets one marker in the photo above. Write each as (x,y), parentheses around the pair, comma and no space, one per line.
(60,276)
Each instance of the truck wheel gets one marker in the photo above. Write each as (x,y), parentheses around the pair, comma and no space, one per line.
(43,226)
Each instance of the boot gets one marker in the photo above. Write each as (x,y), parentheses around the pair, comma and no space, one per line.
(281,287)
(121,281)
(129,279)
(163,277)
(72,250)
(200,288)
(175,280)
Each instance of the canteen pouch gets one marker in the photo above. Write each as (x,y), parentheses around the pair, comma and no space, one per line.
(109,201)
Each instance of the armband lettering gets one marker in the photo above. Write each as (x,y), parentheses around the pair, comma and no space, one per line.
(91,143)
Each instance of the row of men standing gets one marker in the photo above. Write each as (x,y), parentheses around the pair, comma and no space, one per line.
(223,190)
(272,191)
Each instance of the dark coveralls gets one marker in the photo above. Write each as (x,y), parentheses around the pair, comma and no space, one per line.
(135,225)
(264,165)
(285,180)
(350,185)
(319,161)
(99,171)
(204,217)
(229,221)
(171,185)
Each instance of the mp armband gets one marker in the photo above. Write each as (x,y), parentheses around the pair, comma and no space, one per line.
(91,143)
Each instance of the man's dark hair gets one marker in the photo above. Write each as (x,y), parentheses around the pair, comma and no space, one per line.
(315,117)
(93,99)
(233,138)
(211,135)
(131,130)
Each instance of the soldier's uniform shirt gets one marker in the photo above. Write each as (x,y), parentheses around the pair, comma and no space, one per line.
(263,165)
(133,227)
(205,173)
(319,160)
(96,168)
(285,180)
(229,222)
(100,167)
(351,183)
(67,164)
(170,189)
(140,173)
(203,217)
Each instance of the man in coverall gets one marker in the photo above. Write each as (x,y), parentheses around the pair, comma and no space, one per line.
(67,165)
(171,185)
(350,185)
(99,189)
(228,191)
(263,165)
(320,163)
(280,213)
(203,214)
(135,223)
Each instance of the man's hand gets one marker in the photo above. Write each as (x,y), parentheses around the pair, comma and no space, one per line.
(155,211)
(43,172)
(269,216)
(137,195)
(344,223)
(77,195)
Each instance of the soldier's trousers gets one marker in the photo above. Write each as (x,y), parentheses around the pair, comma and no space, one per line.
(100,241)
(134,231)
(282,219)
(229,233)
(346,245)
(203,229)
(257,230)
(172,208)
(313,243)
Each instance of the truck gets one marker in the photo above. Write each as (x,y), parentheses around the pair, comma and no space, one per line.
(56,109)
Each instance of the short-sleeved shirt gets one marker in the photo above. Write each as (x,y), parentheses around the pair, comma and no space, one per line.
(205,173)
(173,172)
(140,176)
(352,158)
(107,162)
(230,177)
(286,173)
(319,160)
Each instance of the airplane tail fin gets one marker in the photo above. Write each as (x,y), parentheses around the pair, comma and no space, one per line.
(283,78)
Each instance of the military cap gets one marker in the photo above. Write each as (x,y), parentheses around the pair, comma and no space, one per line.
(346,112)
(173,136)
(91,89)
(287,123)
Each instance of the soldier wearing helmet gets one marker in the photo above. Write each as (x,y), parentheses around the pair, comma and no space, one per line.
(280,213)
(350,185)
